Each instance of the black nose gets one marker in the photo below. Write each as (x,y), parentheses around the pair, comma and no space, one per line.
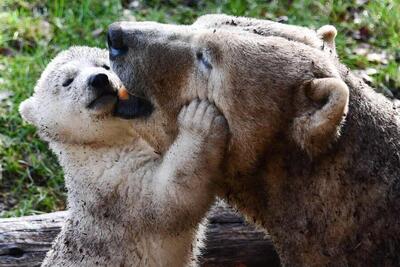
(99,81)
(115,41)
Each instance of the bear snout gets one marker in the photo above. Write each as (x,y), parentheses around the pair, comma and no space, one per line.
(100,85)
(99,80)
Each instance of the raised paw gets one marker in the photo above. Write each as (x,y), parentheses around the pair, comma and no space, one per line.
(202,118)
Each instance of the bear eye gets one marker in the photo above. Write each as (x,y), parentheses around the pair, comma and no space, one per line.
(68,82)
(105,67)
(203,60)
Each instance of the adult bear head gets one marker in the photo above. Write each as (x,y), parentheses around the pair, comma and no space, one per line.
(273,91)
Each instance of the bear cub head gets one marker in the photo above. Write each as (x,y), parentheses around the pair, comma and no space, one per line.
(75,100)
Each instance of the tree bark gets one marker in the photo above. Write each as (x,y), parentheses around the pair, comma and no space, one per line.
(230,241)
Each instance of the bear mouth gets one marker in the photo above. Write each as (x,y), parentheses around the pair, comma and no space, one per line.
(132,108)
(103,101)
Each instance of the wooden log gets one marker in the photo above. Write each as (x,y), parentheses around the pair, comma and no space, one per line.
(230,241)
(24,241)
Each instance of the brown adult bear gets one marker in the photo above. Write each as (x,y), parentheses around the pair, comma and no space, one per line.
(326,189)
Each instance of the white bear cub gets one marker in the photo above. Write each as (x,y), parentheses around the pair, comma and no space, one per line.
(128,205)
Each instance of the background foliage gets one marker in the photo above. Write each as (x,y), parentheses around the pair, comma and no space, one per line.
(32,32)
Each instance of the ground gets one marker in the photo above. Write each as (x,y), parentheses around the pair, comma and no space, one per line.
(32,32)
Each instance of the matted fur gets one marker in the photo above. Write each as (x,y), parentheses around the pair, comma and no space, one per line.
(338,207)
(128,205)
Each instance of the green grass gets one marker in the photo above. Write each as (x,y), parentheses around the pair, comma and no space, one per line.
(32,32)
(31,180)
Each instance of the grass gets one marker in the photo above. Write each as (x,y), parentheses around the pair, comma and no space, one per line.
(32,32)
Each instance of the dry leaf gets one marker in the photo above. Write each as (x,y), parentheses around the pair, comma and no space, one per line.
(378,57)
(97,32)
(5,95)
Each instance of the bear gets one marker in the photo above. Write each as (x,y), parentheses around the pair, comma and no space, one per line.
(313,156)
(128,205)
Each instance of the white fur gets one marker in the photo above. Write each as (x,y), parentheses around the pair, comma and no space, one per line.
(128,205)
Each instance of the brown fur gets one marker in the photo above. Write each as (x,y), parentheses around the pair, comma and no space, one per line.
(327,189)
(323,38)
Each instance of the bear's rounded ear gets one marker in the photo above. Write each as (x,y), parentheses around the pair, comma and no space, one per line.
(328,33)
(27,110)
(321,107)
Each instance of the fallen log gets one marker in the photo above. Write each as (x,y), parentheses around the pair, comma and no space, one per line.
(230,241)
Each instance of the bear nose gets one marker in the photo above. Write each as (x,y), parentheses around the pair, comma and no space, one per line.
(99,81)
(116,46)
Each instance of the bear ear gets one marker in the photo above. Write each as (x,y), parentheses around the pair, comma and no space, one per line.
(328,33)
(28,111)
(321,107)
